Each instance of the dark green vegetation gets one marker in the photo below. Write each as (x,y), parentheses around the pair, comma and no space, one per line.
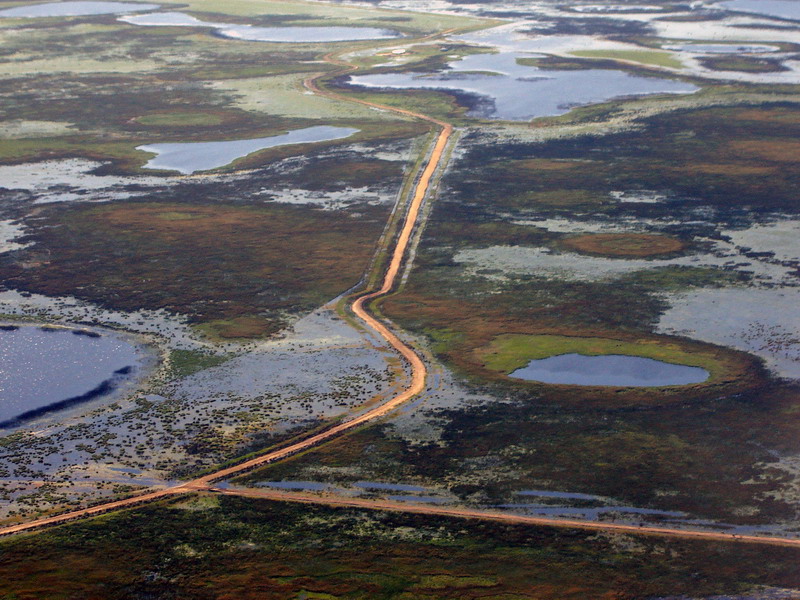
(209,547)
(626,245)
(236,269)
(186,362)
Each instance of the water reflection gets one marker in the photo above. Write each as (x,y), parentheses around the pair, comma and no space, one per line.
(44,369)
(264,34)
(189,157)
(610,369)
(74,9)
(517,92)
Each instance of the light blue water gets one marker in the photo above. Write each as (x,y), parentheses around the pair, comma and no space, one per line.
(39,368)
(295,485)
(517,93)
(306,34)
(74,9)
(392,487)
(190,157)
(783,9)
(722,48)
(265,34)
(611,369)
(565,495)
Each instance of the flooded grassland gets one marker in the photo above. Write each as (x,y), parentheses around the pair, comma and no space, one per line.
(224,272)
(639,221)
(639,243)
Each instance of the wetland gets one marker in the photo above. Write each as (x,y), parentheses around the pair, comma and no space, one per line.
(612,191)
(505,89)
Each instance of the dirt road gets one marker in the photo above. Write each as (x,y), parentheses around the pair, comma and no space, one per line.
(504,517)
(418,370)
(416,385)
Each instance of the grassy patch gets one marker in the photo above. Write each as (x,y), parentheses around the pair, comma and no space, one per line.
(180,119)
(625,244)
(644,57)
(186,362)
(507,353)
(743,64)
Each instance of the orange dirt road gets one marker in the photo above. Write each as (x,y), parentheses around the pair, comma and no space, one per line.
(510,518)
(418,369)
(416,385)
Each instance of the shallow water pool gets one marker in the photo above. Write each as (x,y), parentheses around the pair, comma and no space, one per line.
(190,157)
(74,9)
(609,370)
(516,92)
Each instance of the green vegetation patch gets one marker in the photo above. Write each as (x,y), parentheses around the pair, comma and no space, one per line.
(509,352)
(644,57)
(743,64)
(186,362)
(180,119)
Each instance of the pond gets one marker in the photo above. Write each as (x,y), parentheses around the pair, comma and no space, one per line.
(190,157)
(783,9)
(264,34)
(609,370)
(45,369)
(74,9)
(505,89)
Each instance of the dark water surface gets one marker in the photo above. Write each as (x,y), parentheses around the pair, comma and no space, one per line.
(50,369)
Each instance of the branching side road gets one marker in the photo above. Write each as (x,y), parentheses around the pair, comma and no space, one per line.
(359,307)
(418,372)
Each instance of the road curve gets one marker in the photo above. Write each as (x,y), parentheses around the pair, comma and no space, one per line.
(359,307)
(416,385)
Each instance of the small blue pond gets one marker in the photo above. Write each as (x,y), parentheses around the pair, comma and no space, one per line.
(610,369)
(254,33)
(189,157)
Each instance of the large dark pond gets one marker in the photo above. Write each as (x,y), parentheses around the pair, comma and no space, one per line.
(609,369)
(48,369)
